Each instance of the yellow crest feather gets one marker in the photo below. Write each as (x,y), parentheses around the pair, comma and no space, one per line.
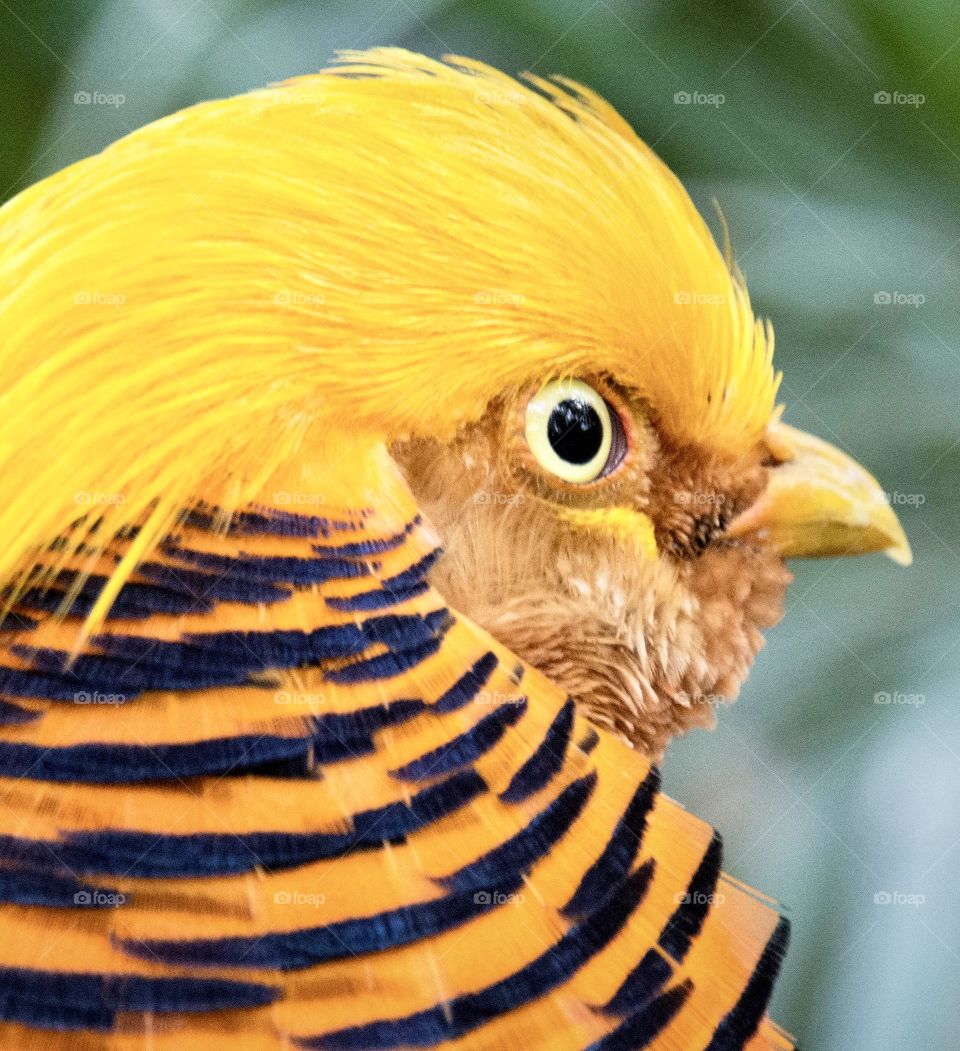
(294,276)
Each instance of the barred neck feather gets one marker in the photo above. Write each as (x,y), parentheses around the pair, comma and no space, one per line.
(288,797)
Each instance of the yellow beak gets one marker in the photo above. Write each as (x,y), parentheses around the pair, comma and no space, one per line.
(819,501)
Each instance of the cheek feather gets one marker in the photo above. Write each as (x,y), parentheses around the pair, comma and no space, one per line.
(631,531)
(647,641)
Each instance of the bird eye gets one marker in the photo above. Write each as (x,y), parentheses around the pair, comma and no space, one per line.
(573,432)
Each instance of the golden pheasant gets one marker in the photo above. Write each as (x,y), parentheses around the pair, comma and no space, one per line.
(273,774)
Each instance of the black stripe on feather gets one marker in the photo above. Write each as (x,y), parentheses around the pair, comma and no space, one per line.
(62,1001)
(742,1020)
(129,665)
(620,852)
(456,1017)
(265,522)
(685,923)
(275,569)
(646,979)
(468,686)
(295,950)
(150,855)
(641,1028)
(530,844)
(465,748)
(546,761)
(392,590)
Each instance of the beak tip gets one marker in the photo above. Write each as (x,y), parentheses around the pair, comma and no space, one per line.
(897,547)
(900,553)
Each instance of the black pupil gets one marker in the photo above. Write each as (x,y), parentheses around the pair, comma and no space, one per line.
(575,431)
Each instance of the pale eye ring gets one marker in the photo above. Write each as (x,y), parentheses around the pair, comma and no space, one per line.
(572,431)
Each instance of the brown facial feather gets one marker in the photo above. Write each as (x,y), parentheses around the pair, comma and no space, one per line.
(646,646)
(693,496)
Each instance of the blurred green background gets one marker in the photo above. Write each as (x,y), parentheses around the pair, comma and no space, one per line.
(830,134)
